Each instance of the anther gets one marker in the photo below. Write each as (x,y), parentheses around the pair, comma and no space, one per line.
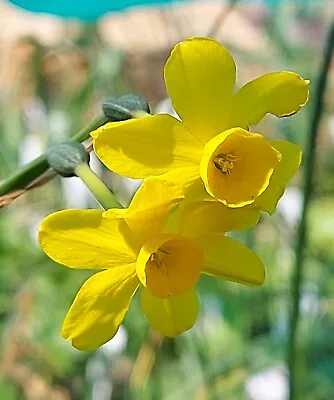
(225,162)
(158,260)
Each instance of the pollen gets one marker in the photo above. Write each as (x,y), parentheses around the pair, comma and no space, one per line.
(225,162)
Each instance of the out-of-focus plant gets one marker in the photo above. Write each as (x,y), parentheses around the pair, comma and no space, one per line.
(302,237)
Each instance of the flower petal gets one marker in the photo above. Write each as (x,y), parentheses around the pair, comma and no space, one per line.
(170,316)
(200,77)
(146,146)
(226,258)
(99,307)
(183,182)
(149,209)
(278,93)
(169,265)
(84,239)
(283,172)
(154,193)
(206,217)
(236,166)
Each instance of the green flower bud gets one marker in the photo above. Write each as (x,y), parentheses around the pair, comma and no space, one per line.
(66,157)
(125,107)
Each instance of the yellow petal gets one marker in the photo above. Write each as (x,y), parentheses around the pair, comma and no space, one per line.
(149,209)
(200,77)
(169,265)
(278,93)
(283,172)
(154,193)
(146,146)
(170,316)
(197,192)
(84,239)
(236,166)
(99,307)
(204,217)
(183,180)
(226,258)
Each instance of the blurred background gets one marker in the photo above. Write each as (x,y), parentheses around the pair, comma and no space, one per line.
(54,73)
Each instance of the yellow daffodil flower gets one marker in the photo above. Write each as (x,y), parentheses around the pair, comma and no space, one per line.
(141,246)
(211,144)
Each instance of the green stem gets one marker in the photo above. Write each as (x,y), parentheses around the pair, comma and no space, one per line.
(100,191)
(29,172)
(83,134)
(302,237)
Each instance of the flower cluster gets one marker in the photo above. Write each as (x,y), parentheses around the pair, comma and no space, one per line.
(204,175)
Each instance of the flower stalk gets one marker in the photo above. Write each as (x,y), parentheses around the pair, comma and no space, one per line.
(72,159)
(100,191)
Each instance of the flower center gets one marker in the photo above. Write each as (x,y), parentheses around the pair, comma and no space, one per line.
(225,162)
(159,259)
(236,166)
(169,265)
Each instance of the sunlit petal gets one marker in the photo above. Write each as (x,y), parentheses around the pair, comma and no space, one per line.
(200,77)
(141,147)
(278,93)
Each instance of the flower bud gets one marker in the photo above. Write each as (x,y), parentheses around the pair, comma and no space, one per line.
(65,157)
(125,107)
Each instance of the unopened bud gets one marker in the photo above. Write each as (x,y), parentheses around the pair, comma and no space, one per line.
(65,157)
(125,107)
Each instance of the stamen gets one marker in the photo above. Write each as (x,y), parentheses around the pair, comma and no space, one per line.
(158,260)
(164,251)
(225,162)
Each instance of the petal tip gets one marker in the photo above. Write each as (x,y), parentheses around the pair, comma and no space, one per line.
(94,134)
(197,39)
(97,132)
(235,205)
(258,280)
(263,278)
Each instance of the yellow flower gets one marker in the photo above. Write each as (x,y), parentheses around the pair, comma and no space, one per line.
(211,145)
(141,246)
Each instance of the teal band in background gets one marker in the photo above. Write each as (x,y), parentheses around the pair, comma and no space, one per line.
(84,10)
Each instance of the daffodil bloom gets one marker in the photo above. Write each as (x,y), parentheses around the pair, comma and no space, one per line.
(211,145)
(142,247)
